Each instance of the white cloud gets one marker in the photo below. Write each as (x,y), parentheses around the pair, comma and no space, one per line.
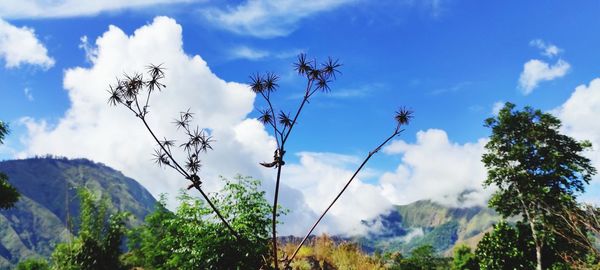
(435,168)
(536,71)
(320,176)
(28,93)
(498,105)
(90,51)
(112,135)
(548,49)
(579,116)
(70,8)
(268,18)
(19,45)
(244,52)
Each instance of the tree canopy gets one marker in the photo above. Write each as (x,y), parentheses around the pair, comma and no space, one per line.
(538,171)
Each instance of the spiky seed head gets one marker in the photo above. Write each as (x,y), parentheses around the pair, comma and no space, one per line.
(265,117)
(156,71)
(323,84)
(270,82)
(302,66)
(115,97)
(403,116)
(284,119)
(257,83)
(331,67)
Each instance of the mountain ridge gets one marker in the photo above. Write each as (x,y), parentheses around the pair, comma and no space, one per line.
(49,202)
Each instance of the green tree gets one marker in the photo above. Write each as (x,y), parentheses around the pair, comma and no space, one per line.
(98,244)
(506,247)
(33,264)
(421,258)
(8,194)
(192,238)
(464,259)
(537,170)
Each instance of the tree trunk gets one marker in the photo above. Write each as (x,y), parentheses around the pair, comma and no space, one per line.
(531,221)
(538,248)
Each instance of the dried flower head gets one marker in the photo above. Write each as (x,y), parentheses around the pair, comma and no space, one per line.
(256,83)
(403,116)
(266,117)
(302,66)
(270,82)
(284,119)
(331,67)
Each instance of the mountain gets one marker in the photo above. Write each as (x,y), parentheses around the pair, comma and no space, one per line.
(425,222)
(48,188)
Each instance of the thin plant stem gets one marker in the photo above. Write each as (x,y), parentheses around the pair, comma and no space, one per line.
(194,184)
(396,132)
(274,220)
(278,178)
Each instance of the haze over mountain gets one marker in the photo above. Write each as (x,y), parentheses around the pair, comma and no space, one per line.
(49,198)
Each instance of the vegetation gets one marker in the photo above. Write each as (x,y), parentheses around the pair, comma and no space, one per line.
(464,258)
(49,206)
(538,172)
(134,92)
(8,194)
(98,244)
(33,264)
(191,238)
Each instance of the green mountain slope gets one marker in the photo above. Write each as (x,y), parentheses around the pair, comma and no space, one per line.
(424,222)
(48,188)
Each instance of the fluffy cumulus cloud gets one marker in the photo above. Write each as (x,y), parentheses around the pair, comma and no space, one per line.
(112,135)
(320,176)
(70,8)
(19,45)
(536,71)
(268,18)
(433,167)
(580,114)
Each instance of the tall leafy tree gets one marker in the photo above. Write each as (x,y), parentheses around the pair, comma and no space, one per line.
(8,194)
(537,170)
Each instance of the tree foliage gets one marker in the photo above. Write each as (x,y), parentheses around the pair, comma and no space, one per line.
(191,238)
(8,194)
(505,247)
(464,259)
(98,244)
(421,258)
(33,264)
(537,170)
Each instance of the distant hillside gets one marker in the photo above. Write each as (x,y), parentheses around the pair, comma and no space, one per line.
(426,222)
(48,190)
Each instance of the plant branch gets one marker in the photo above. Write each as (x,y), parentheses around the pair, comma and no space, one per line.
(195,184)
(396,132)
(274,219)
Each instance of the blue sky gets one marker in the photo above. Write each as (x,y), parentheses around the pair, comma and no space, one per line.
(449,61)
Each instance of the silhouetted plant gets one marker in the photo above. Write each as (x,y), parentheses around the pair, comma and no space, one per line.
(134,92)
(318,79)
